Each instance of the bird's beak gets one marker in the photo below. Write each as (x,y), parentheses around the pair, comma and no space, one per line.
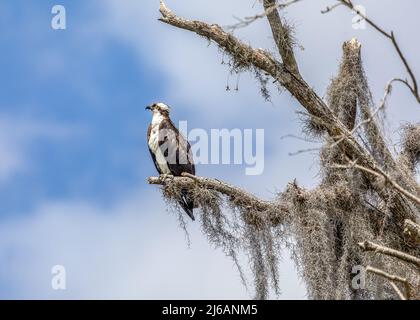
(148,108)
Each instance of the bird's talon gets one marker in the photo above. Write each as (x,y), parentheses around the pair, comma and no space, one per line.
(166,176)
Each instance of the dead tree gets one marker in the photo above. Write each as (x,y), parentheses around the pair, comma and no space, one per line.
(365,212)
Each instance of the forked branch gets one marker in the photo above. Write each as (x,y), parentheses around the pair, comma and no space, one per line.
(392,279)
(413,86)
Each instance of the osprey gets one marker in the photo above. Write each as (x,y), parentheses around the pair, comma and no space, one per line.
(170,151)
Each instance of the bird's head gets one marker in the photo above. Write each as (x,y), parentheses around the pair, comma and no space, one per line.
(159,108)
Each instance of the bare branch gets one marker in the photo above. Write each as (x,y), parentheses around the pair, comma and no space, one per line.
(414,88)
(386,275)
(397,290)
(370,246)
(331,8)
(392,278)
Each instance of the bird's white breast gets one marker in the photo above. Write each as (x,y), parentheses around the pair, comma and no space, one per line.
(154,144)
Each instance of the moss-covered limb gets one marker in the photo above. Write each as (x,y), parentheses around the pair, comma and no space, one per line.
(348,90)
(282,36)
(235,195)
(235,221)
(352,78)
(410,153)
(189,181)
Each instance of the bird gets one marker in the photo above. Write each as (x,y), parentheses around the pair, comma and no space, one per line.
(170,150)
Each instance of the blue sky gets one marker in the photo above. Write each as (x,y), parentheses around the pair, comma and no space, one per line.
(91,91)
(74,160)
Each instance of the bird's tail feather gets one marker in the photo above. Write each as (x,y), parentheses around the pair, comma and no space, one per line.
(187,203)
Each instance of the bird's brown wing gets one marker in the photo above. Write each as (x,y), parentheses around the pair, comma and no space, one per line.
(176,149)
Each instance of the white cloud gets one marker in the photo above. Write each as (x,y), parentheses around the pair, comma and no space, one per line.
(17,135)
(132,250)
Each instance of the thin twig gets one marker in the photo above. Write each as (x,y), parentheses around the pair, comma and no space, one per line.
(298,138)
(392,278)
(244,22)
(379,173)
(330,8)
